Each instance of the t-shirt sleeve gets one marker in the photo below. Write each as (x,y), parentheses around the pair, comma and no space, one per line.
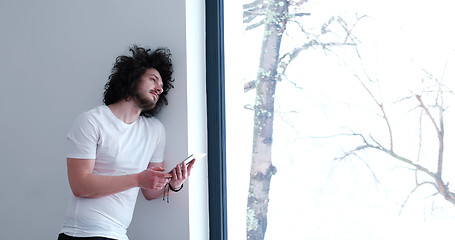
(158,154)
(82,138)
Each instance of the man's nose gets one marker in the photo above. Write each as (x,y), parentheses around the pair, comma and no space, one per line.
(159,90)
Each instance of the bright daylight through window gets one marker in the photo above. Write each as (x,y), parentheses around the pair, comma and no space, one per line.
(340,119)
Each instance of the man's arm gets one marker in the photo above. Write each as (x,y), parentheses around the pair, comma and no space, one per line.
(84,183)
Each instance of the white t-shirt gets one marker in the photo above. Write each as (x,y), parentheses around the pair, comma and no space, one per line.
(118,149)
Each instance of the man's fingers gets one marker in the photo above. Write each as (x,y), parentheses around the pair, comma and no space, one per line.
(160,173)
(158,169)
(178,170)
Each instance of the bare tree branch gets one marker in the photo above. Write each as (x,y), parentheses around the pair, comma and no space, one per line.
(253,10)
(313,41)
(250,85)
(439,131)
(287,58)
(412,192)
(438,183)
(379,147)
(300,14)
(255,25)
(250,15)
(297,3)
(254,4)
(347,29)
(249,107)
(384,115)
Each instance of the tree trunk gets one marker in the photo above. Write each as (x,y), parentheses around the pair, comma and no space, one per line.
(262,168)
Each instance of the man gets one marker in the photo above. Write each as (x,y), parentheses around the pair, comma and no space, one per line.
(117,148)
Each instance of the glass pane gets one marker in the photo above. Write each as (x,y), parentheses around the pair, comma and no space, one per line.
(340,119)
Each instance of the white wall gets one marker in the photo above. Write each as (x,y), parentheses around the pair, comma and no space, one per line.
(55,57)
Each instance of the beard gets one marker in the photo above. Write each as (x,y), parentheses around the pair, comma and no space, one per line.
(144,101)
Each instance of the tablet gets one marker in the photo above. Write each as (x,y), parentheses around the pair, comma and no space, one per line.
(191,157)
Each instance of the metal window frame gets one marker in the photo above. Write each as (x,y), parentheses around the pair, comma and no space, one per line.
(216,119)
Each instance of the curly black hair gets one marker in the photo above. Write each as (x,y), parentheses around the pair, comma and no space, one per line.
(127,71)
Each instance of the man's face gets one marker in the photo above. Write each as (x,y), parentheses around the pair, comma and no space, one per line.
(149,89)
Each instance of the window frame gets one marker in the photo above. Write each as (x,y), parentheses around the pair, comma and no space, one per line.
(216,127)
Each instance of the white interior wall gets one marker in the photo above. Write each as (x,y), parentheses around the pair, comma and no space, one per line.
(55,57)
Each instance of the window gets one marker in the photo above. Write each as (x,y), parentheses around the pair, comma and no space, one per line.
(362,95)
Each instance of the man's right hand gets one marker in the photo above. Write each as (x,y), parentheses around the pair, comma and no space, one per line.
(154,178)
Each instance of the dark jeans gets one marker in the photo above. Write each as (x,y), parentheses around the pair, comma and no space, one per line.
(63,236)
